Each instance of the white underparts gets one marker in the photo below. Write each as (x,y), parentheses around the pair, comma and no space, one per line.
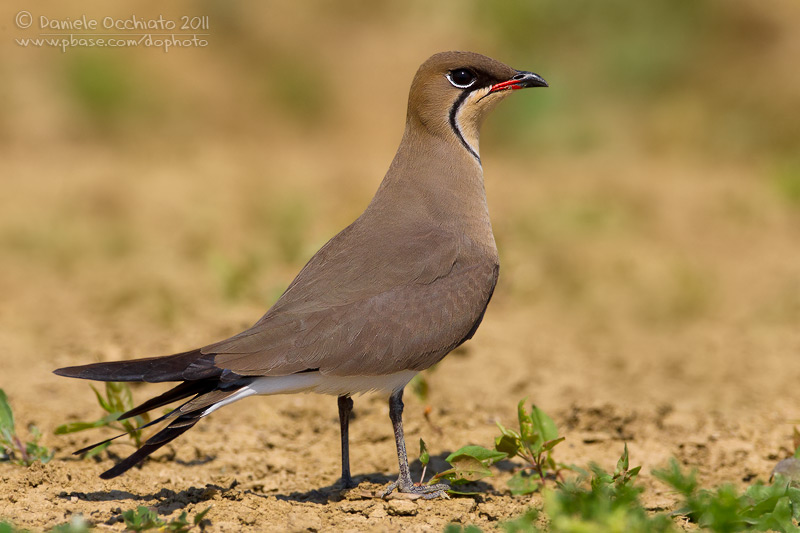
(319,383)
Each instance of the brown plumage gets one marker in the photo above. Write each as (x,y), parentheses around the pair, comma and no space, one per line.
(390,295)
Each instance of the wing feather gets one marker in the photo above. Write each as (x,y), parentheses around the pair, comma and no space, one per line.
(402,305)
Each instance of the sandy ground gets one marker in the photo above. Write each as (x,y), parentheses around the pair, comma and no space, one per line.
(648,232)
(657,312)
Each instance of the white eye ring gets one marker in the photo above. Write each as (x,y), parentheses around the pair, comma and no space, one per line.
(461,86)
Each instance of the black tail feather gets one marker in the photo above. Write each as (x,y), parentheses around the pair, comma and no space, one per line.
(95,445)
(184,390)
(160,419)
(191,365)
(174,430)
(207,393)
(200,377)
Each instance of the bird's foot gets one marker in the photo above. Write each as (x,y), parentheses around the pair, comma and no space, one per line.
(426,492)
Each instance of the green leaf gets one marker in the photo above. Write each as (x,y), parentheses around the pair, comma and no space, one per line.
(36,433)
(424,456)
(7,439)
(179,525)
(528,433)
(76,525)
(543,424)
(97,450)
(458,528)
(466,469)
(782,516)
(6,414)
(796,442)
(794,497)
(7,527)
(141,519)
(103,403)
(126,396)
(686,485)
(508,432)
(550,444)
(73,427)
(462,492)
(622,464)
(119,395)
(38,453)
(522,483)
(507,445)
(484,455)
(525,523)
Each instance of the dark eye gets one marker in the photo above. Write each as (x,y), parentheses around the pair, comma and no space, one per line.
(461,77)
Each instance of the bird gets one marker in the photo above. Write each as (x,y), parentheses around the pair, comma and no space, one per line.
(387,297)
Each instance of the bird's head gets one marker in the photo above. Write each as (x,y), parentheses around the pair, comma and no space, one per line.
(453,91)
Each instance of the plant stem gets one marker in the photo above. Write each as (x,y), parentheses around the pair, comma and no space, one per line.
(22,451)
(440,474)
(538,464)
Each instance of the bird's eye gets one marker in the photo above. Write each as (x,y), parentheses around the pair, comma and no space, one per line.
(461,78)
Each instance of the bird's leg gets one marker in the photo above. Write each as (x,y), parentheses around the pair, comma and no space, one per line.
(345,406)
(404,483)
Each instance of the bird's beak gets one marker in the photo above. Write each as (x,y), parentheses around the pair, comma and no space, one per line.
(522,80)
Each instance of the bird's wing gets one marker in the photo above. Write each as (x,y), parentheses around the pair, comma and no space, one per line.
(362,307)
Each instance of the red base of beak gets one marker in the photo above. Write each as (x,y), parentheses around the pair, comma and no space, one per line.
(510,84)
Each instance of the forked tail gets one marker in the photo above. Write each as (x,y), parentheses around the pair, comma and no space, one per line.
(201,381)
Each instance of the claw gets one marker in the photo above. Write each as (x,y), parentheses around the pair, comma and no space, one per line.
(388,490)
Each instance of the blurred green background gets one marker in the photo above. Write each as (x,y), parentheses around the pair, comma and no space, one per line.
(646,205)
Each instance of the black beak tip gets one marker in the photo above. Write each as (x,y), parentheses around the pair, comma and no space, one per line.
(530,79)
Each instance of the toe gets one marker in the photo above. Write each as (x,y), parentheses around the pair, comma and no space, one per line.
(436,494)
(427,492)
(389,489)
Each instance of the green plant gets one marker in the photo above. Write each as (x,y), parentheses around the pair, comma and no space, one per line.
(424,458)
(605,503)
(458,528)
(761,507)
(468,464)
(7,527)
(144,519)
(523,524)
(76,525)
(118,400)
(609,503)
(11,447)
(533,443)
